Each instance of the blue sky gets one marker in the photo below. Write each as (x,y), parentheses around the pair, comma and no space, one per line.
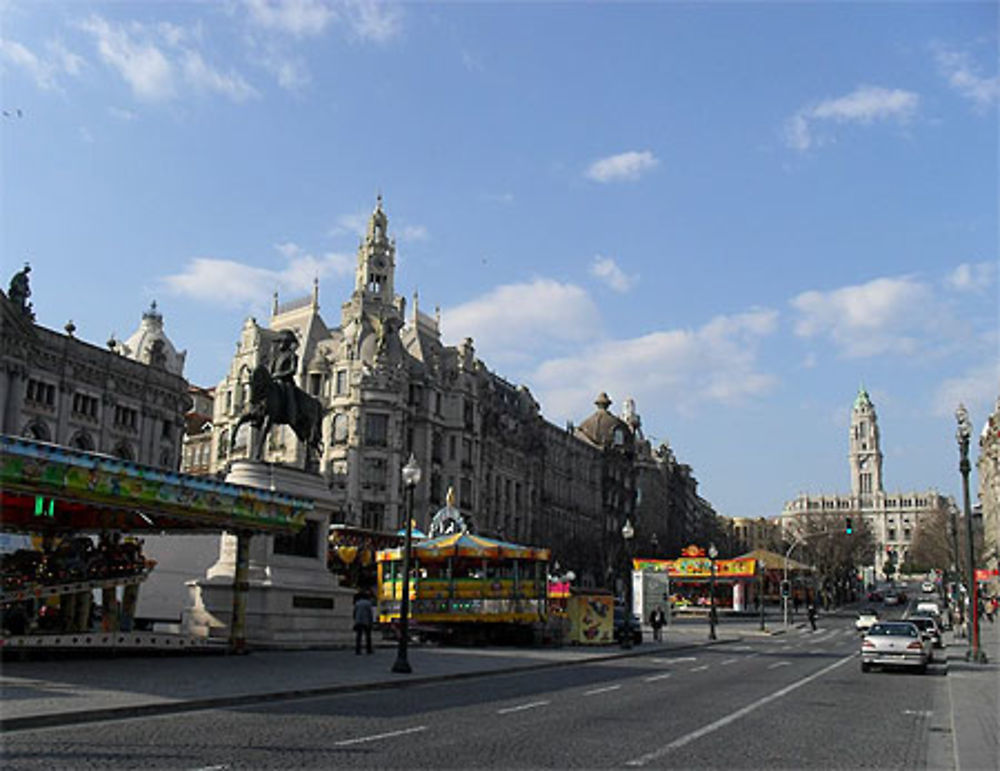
(735,213)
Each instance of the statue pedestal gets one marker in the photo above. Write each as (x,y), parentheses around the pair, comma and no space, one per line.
(293,600)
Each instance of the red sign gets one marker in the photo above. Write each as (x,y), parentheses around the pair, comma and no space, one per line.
(985,575)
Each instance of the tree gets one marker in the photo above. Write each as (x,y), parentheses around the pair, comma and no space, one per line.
(933,545)
(835,555)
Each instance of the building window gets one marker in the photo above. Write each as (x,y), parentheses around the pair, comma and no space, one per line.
(85,406)
(374,473)
(41,393)
(341,382)
(124,451)
(452,447)
(126,417)
(372,515)
(315,383)
(376,430)
(467,453)
(435,491)
(223,450)
(892,534)
(339,428)
(167,430)
(468,414)
(436,447)
(866,483)
(82,441)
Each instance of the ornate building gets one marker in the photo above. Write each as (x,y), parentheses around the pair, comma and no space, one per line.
(988,467)
(126,400)
(390,387)
(892,517)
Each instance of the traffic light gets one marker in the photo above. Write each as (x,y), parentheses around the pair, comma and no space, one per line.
(848,526)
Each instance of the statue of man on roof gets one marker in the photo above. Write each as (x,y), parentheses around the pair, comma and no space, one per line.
(19,292)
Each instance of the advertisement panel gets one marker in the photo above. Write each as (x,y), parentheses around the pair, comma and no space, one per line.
(591,619)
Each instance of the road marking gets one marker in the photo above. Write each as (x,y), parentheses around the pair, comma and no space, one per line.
(702,668)
(518,708)
(918,712)
(376,737)
(777,664)
(729,661)
(734,716)
(602,690)
(664,676)
(674,661)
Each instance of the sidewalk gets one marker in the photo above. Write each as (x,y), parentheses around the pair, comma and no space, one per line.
(60,691)
(974,692)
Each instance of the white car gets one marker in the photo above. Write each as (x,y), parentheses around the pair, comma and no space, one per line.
(927,587)
(894,644)
(865,620)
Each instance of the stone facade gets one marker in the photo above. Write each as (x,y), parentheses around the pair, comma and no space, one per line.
(391,387)
(126,402)
(988,467)
(892,517)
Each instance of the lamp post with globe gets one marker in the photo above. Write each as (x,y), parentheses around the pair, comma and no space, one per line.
(628,532)
(712,554)
(411,477)
(963,435)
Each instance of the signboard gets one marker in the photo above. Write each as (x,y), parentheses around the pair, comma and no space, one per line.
(985,575)
(591,619)
(698,567)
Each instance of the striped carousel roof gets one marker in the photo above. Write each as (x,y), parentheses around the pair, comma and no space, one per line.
(466,545)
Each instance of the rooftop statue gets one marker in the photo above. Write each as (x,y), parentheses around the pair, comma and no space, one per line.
(19,292)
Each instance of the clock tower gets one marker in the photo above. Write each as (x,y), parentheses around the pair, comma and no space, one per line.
(865,453)
(376,260)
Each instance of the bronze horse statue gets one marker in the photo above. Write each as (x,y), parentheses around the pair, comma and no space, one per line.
(269,407)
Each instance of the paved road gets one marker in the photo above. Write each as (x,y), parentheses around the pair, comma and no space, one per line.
(792,701)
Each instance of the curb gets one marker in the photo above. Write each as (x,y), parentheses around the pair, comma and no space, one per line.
(14,724)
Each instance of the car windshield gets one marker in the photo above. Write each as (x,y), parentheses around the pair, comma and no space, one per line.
(894,630)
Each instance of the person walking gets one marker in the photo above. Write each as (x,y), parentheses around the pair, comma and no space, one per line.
(812,616)
(364,618)
(657,620)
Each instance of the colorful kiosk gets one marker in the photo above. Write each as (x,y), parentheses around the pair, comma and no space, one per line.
(691,576)
(467,587)
(60,497)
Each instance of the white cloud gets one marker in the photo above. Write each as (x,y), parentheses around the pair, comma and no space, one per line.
(157,60)
(414,233)
(44,71)
(236,284)
(140,62)
(687,368)
(122,114)
(965,79)
(886,315)
(625,166)
(374,20)
(299,18)
(607,270)
(864,105)
(972,277)
(205,78)
(977,386)
(355,223)
(519,321)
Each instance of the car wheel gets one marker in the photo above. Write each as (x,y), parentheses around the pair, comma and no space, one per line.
(865,666)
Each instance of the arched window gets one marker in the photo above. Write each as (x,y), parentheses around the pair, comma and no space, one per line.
(82,441)
(38,430)
(123,450)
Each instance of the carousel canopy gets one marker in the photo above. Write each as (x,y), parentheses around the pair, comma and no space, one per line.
(466,545)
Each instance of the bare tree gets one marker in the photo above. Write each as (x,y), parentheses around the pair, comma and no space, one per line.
(836,554)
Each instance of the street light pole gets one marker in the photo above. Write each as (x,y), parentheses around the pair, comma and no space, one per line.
(627,533)
(963,435)
(712,554)
(411,477)
(760,593)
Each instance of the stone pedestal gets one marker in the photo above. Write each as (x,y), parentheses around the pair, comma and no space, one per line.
(293,600)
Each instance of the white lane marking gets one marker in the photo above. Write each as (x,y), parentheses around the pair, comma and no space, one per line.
(777,664)
(729,661)
(601,690)
(519,707)
(733,716)
(674,661)
(211,768)
(702,668)
(653,678)
(376,737)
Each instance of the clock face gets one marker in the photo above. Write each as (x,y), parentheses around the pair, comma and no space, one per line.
(379,263)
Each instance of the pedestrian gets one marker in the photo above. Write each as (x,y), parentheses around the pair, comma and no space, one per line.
(364,617)
(991,608)
(657,620)
(812,616)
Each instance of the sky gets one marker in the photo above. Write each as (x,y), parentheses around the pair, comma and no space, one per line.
(736,214)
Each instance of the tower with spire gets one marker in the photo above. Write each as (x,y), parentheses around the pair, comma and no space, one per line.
(375,273)
(865,454)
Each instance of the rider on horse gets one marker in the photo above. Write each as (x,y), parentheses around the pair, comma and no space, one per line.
(284,365)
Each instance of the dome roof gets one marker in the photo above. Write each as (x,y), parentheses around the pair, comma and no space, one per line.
(600,428)
(150,345)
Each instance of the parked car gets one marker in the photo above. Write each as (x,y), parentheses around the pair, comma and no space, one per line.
(927,587)
(865,620)
(894,644)
(929,627)
(636,626)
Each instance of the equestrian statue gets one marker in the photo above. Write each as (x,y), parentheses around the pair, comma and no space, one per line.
(276,400)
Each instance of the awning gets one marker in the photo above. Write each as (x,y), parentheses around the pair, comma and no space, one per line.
(466,545)
(47,486)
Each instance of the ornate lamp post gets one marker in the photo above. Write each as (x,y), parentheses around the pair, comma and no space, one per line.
(628,532)
(712,554)
(411,477)
(963,435)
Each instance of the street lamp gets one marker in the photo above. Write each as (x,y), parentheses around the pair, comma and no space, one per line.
(628,532)
(963,434)
(411,477)
(712,554)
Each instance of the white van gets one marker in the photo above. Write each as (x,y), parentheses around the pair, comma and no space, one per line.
(927,606)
